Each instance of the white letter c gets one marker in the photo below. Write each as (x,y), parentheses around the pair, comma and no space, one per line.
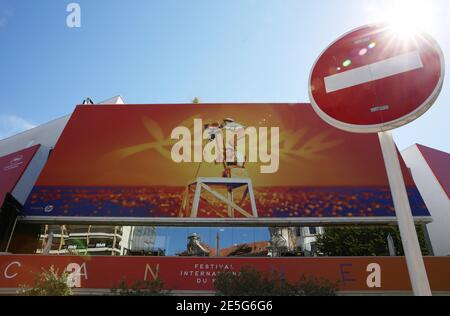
(10,276)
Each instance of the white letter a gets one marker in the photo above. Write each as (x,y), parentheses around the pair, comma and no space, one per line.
(74,18)
(374,278)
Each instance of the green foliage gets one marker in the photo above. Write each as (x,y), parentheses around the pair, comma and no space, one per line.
(250,282)
(363,241)
(312,286)
(48,283)
(140,288)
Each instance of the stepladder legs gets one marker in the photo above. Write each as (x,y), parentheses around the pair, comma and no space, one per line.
(196,202)
(225,195)
(230,199)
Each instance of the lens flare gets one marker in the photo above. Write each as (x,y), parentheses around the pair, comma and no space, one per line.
(347,63)
(363,51)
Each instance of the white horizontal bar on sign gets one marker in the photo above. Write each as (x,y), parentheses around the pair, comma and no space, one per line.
(379,70)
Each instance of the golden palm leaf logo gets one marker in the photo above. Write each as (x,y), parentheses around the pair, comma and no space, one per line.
(159,142)
(293,145)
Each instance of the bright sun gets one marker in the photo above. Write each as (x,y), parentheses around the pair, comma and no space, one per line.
(408,16)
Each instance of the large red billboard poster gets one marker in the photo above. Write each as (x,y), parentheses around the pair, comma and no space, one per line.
(172,163)
(12,167)
(363,274)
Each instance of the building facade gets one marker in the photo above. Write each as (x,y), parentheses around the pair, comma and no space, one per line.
(430,169)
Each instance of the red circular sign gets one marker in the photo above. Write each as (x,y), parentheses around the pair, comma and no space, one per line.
(374,79)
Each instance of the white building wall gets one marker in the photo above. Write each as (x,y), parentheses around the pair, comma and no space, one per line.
(305,238)
(30,175)
(435,198)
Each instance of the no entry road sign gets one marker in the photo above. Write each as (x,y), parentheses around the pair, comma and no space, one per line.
(374,79)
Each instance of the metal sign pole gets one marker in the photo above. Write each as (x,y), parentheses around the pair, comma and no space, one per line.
(411,247)
(11,235)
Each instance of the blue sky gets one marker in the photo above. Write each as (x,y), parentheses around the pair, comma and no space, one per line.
(174,239)
(171,51)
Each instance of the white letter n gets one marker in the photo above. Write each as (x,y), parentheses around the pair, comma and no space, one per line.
(153,273)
